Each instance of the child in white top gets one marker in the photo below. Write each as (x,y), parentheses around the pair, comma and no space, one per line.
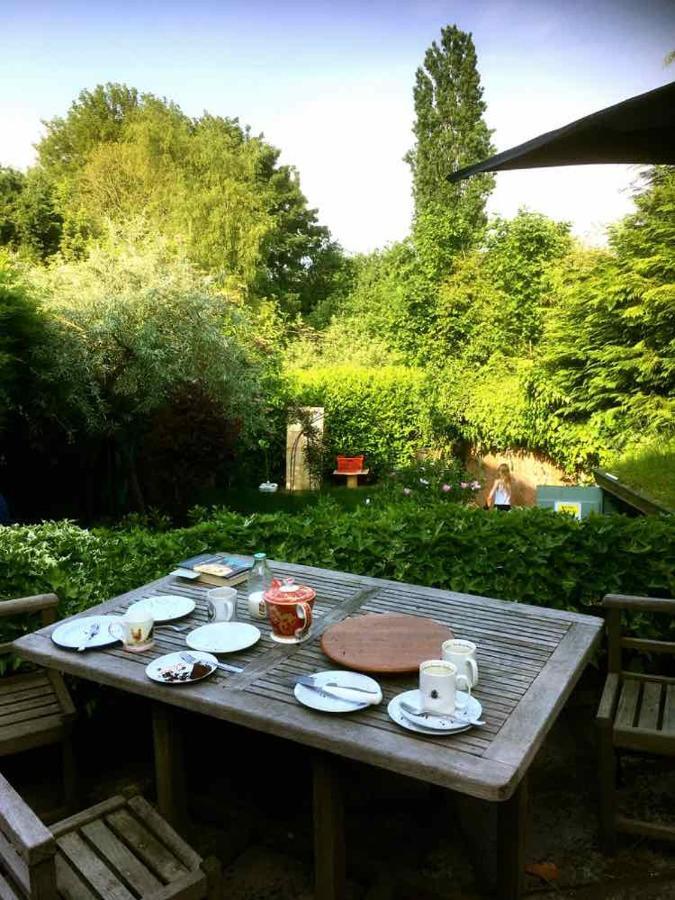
(500,495)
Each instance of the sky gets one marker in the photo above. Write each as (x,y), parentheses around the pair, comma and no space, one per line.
(330,84)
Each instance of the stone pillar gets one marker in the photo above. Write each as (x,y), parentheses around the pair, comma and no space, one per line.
(298,476)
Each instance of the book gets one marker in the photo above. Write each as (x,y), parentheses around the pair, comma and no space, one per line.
(219,569)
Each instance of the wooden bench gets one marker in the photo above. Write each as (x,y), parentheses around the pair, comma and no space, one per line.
(636,713)
(35,707)
(120,849)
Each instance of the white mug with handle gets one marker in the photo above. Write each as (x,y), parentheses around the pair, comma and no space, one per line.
(221,604)
(463,655)
(134,629)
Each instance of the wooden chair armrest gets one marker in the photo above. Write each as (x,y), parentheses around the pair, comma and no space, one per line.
(641,604)
(44,603)
(32,840)
(610,694)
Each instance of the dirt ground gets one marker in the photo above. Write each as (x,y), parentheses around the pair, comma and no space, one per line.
(250,803)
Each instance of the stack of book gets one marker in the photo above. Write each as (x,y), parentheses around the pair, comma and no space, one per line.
(220,569)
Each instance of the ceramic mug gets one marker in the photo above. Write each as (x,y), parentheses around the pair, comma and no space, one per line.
(221,604)
(134,629)
(438,686)
(463,655)
(289,609)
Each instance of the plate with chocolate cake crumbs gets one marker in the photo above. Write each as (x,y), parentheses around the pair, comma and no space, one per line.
(181,668)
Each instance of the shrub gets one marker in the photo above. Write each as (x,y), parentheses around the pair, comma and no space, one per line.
(530,555)
(386,413)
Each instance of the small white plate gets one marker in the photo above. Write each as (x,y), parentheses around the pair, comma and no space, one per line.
(164,607)
(433,724)
(223,637)
(73,634)
(309,697)
(172,669)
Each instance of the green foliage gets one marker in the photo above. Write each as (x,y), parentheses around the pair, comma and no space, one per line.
(450,133)
(530,555)
(649,468)
(610,337)
(29,220)
(386,413)
(21,331)
(206,182)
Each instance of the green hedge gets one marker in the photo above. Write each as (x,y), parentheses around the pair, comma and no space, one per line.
(386,413)
(530,555)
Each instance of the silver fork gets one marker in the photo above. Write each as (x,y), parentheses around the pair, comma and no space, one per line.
(189,658)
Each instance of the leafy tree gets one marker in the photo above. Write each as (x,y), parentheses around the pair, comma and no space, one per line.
(11,186)
(29,221)
(611,333)
(450,133)
(206,182)
(21,330)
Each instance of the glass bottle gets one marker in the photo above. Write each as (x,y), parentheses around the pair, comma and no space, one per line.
(259,581)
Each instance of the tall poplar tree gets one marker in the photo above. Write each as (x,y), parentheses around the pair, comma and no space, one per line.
(450,133)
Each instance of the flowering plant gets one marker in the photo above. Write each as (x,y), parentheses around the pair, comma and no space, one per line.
(432,480)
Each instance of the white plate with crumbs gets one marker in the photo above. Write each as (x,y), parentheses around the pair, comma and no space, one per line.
(173,668)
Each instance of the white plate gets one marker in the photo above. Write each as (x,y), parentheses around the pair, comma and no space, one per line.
(309,697)
(164,667)
(223,637)
(436,724)
(164,607)
(73,634)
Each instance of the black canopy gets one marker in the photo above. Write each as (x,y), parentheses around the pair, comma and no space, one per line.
(639,130)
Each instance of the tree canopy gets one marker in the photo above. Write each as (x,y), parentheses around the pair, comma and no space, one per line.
(450,132)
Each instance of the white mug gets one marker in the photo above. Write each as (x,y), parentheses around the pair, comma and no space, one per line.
(134,629)
(463,655)
(221,604)
(438,686)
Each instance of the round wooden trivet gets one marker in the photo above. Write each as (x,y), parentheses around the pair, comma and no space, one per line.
(387,643)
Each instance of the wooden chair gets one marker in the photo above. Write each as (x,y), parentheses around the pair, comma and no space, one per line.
(121,849)
(35,707)
(636,713)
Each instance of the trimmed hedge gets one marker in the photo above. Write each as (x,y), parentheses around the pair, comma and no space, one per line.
(386,413)
(530,555)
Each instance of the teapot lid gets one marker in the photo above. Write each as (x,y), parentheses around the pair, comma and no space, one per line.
(287,591)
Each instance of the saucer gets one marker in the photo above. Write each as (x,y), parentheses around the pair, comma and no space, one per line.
(436,725)
(323,702)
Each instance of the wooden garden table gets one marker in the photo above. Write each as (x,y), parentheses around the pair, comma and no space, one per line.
(529,658)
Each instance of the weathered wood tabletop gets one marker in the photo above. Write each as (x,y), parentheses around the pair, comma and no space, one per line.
(529,660)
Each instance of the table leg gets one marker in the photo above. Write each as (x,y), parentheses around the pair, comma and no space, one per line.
(329,842)
(352,481)
(169,771)
(511,835)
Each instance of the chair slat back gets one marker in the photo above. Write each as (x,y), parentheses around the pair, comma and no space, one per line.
(27,847)
(45,604)
(615,604)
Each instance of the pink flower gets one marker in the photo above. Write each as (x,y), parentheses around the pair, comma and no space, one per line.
(407,492)
(464,485)
(475,485)
(446,487)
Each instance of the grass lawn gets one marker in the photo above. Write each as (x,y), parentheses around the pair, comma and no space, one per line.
(247,500)
(651,471)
